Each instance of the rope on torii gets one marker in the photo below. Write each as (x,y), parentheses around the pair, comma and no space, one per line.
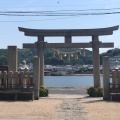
(68,54)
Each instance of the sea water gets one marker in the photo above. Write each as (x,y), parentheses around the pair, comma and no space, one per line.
(70,81)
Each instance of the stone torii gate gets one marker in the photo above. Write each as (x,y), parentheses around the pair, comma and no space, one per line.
(95,44)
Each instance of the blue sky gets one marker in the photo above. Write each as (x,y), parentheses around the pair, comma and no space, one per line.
(9,34)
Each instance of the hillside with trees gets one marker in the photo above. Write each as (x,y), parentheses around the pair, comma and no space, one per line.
(28,54)
(110,53)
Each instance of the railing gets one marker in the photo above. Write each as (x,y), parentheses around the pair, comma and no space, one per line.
(16,80)
(16,84)
(114,86)
(116,76)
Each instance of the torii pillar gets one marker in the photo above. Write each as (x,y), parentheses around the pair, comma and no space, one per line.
(68,33)
(96,60)
(40,50)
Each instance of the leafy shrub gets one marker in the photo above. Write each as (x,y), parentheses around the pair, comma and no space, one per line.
(43,92)
(95,92)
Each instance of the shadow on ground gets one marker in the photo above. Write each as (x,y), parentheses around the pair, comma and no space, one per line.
(68,90)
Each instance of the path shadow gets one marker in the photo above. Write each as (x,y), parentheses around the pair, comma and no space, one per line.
(69,91)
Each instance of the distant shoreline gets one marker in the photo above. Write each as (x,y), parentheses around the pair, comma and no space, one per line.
(74,75)
(82,75)
(86,75)
(77,75)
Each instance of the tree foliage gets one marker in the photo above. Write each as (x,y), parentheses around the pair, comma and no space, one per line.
(28,54)
(110,53)
(3,57)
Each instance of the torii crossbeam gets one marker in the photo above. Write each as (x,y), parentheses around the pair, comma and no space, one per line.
(95,44)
